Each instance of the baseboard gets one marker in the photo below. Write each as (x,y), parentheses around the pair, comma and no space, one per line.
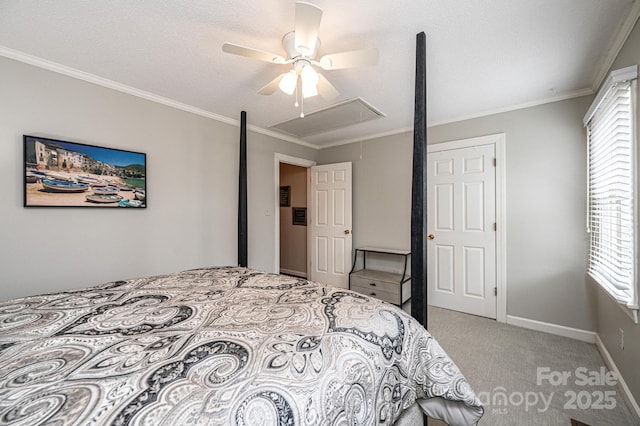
(294,273)
(584,336)
(559,330)
(626,392)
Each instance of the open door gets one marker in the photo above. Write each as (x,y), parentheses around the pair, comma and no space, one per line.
(330,224)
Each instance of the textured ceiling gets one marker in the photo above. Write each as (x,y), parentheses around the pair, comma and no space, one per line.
(482,56)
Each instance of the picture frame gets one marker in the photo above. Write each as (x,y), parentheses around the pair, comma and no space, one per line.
(59,173)
(299,215)
(285,196)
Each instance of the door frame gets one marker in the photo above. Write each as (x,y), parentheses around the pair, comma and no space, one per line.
(498,141)
(283,158)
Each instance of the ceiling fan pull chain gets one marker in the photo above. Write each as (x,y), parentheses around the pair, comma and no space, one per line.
(296,102)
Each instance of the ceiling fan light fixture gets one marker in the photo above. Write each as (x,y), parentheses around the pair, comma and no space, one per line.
(309,74)
(309,78)
(301,46)
(289,82)
(309,90)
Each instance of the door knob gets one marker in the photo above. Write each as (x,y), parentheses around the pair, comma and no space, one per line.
(347,232)
(431,236)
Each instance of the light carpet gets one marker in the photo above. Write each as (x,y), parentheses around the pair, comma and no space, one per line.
(525,377)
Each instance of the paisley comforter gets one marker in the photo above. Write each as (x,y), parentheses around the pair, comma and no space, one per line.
(217,346)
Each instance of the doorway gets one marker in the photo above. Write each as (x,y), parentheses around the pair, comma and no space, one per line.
(293,220)
(302,164)
(466,226)
(328,218)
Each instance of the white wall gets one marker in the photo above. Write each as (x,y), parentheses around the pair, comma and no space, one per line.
(192,173)
(545,202)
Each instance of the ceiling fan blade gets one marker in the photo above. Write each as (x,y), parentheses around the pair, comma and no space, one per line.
(325,89)
(248,52)
(308,17)
(355,58)
(272,86)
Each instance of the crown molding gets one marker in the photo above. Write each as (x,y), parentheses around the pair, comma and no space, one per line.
(110,84)
(558,98)
(562,97)
(612,53)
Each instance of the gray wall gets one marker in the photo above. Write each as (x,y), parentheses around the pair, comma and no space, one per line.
(192,176)
(611,317)
(381,173)
(381,189)
(262,195)
(545,203)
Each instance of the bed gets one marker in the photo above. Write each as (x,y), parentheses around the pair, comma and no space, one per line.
(233,345)
(223,346)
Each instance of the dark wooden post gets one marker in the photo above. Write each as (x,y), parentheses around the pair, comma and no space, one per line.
(419,189)
(242,193)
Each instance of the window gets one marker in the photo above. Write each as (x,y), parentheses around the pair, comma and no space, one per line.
(612,226)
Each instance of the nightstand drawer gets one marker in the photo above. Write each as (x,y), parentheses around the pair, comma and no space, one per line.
(375,284)
(391,297)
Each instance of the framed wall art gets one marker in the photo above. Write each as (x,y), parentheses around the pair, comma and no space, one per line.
(299,215)
(69,174)
(285,196)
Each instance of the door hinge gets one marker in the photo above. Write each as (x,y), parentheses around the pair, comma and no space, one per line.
(495,291)
(495,226)
(495,162)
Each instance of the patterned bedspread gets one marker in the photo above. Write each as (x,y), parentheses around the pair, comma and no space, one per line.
(221,346)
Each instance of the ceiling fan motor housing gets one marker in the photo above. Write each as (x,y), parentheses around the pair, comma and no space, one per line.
(289,46)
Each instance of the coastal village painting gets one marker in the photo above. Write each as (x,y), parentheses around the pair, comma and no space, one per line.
(67,174)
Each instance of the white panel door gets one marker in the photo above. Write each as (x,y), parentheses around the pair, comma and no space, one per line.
(461,217)
(330,224)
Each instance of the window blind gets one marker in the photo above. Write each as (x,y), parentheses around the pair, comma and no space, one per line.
(611,192)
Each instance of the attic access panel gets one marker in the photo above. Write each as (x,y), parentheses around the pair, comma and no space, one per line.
(343,114)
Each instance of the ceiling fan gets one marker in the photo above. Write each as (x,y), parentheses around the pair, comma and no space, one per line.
(301,47)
